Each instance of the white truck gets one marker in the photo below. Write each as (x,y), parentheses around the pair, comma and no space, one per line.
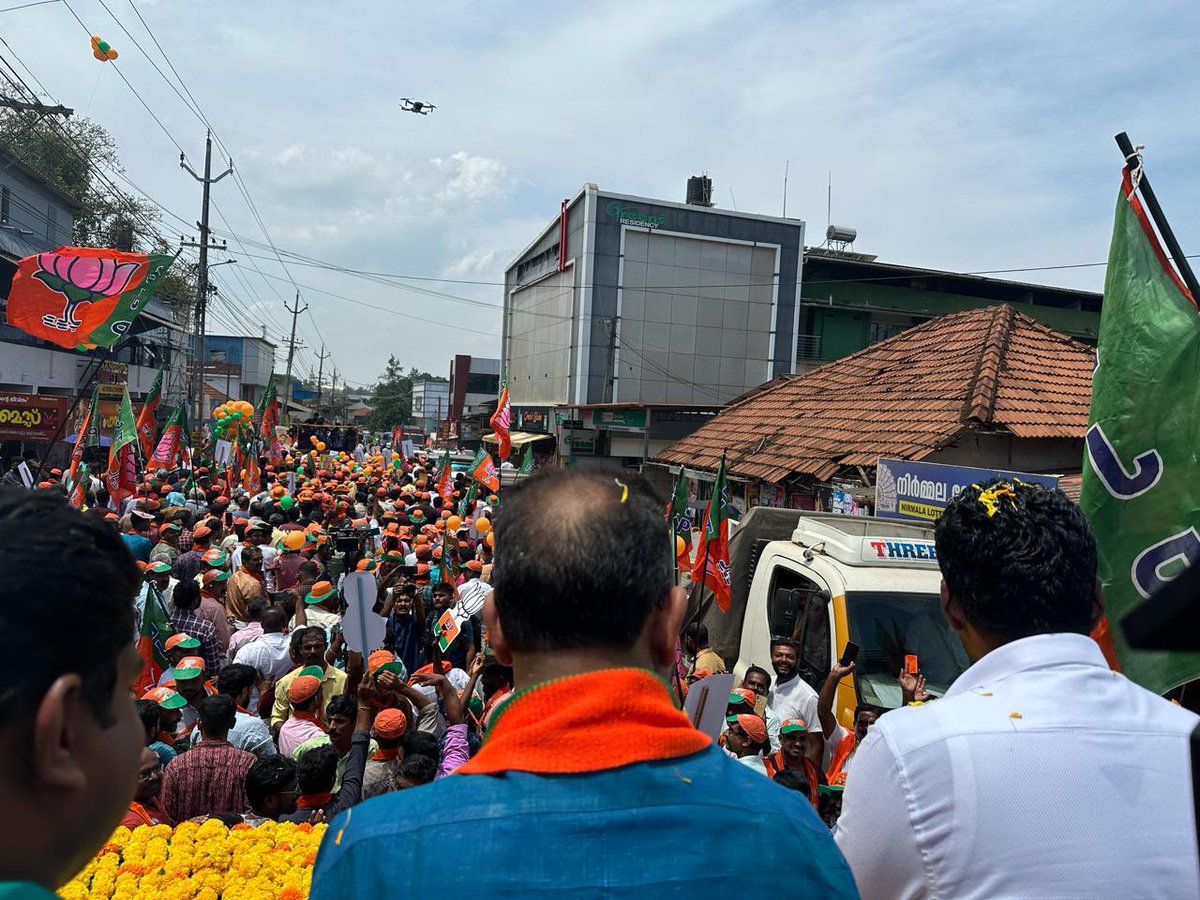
(822,580)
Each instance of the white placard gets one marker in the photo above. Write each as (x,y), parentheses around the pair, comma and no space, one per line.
(707,701)
(222,452)
(471,595)
(26,475)
(364,629)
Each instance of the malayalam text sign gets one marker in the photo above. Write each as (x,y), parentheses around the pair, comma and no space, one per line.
(920,491)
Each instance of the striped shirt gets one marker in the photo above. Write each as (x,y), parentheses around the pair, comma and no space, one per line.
(209,778)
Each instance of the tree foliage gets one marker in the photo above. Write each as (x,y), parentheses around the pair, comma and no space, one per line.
(77,156)
(391,401)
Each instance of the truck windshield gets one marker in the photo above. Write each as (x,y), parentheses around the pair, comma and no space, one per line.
(888,626)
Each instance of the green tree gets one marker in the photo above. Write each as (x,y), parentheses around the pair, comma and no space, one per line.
(71,155)
(391,401)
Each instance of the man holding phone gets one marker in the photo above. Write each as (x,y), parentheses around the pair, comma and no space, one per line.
(840,744)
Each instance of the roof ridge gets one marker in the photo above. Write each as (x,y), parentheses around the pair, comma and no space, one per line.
(985,381)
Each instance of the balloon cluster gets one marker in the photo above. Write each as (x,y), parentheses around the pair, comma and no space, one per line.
(319,446)
(234,418)
(101,49)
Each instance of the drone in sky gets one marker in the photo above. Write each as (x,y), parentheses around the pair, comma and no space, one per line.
(420,107)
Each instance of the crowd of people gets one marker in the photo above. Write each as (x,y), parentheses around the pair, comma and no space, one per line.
(526,696)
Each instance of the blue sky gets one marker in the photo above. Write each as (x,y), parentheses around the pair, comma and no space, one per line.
(959,135)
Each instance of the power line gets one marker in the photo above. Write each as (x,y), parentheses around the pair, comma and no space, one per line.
(27,5)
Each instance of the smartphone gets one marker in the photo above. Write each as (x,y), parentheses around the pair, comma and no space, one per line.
(849,654)
(910,664)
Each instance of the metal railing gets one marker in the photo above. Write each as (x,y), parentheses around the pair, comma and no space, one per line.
(808,346)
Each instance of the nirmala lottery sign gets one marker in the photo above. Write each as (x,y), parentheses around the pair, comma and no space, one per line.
(919,491)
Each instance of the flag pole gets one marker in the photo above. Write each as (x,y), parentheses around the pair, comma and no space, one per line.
(86,389)
(702,608)
(1160,219)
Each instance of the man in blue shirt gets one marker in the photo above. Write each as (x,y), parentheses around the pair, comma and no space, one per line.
(135,539)
(591,782)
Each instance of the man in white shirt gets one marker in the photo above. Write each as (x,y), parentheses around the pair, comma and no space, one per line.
(791,697)
(268,654)
(1040,773)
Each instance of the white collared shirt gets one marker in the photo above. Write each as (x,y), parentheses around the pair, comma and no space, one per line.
(794,699)
(1041,773)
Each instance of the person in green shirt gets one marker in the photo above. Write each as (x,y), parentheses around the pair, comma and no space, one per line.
(70,736)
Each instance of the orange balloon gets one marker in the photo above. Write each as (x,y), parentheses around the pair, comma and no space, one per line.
(312,452)
(482,524)
(490,540)
(312,439)
(453,523)
(321,446)
(680,546)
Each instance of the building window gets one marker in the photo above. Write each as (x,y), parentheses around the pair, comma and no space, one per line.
(881,331)
(478,383)
(5,205)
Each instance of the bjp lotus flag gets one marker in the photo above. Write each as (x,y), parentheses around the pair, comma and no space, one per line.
(121,478)
(483,470)
(145,419)
(83,297)
(174,436)
(500,421)
(445,482)
(712,556)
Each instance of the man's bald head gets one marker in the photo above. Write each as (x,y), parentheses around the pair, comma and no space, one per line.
(582,561)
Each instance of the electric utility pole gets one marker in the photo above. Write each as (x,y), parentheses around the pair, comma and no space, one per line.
(295,311)
(202,276)
(320,376)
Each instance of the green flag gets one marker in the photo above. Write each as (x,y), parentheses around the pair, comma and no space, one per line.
(464,505)
(121,478)
(92,432)
(1140,490)
(680,520)
(526,467)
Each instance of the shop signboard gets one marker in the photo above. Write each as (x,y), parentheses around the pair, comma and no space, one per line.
(616,419)
(920,491)
(31,417)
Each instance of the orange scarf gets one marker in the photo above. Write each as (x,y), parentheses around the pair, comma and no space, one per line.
(312,801)
(586,723)
(385,754)
(305,716)
(142,813)
(845,747)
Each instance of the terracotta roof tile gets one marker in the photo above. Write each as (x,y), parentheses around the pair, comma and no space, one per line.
(907,397)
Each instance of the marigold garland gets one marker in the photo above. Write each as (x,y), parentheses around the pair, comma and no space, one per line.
(201,862)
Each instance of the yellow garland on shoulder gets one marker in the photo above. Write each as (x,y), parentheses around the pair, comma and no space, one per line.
(206,860)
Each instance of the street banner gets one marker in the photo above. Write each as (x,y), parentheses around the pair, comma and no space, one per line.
(83,297)
(31,417)
(1140,490)
(919,491)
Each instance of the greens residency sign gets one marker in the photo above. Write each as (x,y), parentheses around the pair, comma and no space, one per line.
(920,491)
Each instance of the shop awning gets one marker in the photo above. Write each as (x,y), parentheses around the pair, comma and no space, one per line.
(518,438)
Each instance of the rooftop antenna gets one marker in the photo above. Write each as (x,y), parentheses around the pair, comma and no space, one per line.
(733,198)
(829,202)
(786,165)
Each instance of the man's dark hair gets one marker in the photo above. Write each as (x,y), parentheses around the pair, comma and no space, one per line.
(256,607)
(150,714)
(341,705)
(760,670)
(785,642)
(316,769)
(581,561)
(417,769)
(1029,568)
(269,775)
(274,620)
(66,602)
(443,587)
(420,743)
(793,780)
(493,668)
(698,632)
(186,596)
(308,568)
(218,714)
(235,678)
(300,634)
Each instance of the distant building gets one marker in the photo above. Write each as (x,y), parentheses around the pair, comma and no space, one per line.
(629,321)
(851,300)
(237,367)
(474,387)
(35,216)
(430,404)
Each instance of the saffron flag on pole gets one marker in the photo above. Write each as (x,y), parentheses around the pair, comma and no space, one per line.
(174,435)
(1140,491)
(500,421)
(121,478)
(527,460)
(83,297)
(445,478)
(155,629)
(268,410)
(145,419)
(680,518)
(712,556)
(483,470)
(84,438)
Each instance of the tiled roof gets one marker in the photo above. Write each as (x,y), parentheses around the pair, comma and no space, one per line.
(995,369)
